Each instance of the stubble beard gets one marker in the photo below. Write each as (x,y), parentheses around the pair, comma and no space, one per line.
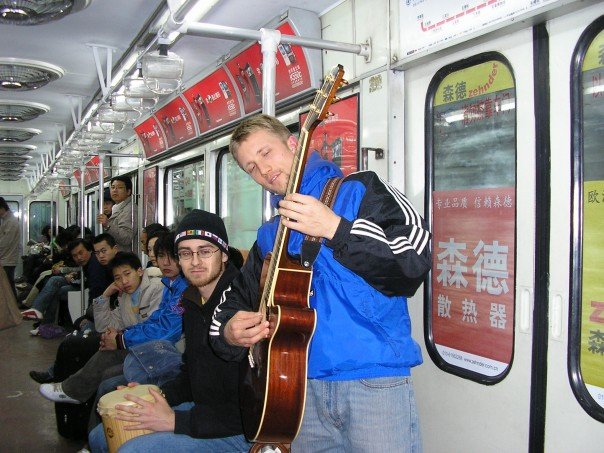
(200,282)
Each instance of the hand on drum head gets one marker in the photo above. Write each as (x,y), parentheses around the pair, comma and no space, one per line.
(154,415)
(130,384)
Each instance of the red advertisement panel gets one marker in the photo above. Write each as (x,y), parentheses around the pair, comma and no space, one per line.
(176,121)
(150,195)
(64,188)
(336,137)
(213,101)
(292,73)
(151,137)
(473,277)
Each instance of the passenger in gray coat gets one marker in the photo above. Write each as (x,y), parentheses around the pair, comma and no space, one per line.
(122,223)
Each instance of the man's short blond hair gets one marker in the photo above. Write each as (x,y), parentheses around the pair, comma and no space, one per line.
(256,123)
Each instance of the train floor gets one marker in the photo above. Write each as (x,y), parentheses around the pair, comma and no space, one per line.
(27,421)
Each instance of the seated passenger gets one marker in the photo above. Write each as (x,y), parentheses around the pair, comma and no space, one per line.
(151,240)
(141,294)
(201,407)
(150,231)
(105,249)
(122,223)
(45,305)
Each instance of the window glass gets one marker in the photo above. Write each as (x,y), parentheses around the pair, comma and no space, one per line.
(472,147)
(240,203)
(39,217)
(187,186)
(14,207)
(588,299)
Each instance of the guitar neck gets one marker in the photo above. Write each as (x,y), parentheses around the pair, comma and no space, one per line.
(282,237)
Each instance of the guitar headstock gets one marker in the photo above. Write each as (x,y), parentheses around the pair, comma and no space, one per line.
(325,96)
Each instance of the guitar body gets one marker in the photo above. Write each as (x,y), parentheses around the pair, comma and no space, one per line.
(273,390)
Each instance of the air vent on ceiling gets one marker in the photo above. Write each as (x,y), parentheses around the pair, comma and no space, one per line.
(14,135)
(33,12)
(18,166)
(10,178)
(14,158)
(19,111)
(15,149)
(24,75)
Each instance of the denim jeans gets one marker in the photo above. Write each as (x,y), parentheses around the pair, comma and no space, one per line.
(359,416)
(154,362)
(52,310)
(162,442)
(50,291)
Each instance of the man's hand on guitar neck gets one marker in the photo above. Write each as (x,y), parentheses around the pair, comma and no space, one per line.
(246,328)
(308,215)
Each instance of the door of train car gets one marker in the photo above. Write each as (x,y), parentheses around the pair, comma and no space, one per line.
(488,382)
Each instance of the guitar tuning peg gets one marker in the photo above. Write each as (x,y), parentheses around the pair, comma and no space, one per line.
(344,82)
(330,114)
(336,99)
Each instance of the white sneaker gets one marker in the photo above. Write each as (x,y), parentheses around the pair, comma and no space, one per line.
(54,392)
(34,332)
(83,450)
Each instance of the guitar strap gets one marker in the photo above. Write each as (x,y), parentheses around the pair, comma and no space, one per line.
(312,244)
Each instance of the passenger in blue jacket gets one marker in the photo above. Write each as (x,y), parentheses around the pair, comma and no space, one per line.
(374,255)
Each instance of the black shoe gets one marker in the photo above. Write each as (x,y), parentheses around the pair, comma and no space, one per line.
(41,377)
(36,324)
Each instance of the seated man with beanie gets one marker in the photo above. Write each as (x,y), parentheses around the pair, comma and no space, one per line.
(200,410)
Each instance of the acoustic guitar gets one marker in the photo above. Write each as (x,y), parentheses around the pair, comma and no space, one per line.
(273,379)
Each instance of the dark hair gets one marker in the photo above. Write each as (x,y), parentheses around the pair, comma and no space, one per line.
(76,242)
(154,231)
(127,181)
(107,196)
(236,257)
(110,240)
(125,259)
(4,204)
(165,243)
(63,238)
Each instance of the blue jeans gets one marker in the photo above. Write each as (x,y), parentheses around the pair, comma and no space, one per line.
(359,416)
(154,362)
(50,291)
(162,442)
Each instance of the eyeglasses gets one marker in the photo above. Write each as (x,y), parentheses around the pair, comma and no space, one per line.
(186,255)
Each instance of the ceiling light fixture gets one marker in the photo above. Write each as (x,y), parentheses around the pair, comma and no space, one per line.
(23,75)
(33,12)
(13,135)
(19,111)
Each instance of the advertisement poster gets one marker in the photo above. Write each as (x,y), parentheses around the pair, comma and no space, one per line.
(336,138)
(592,297)
(214,101)
(91,173)
(150,195)
(176,121)
(64,188)
(424,25)
(151,137)
(473,278)
(292,73)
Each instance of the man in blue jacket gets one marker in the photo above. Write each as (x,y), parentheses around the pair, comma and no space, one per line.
(374,254)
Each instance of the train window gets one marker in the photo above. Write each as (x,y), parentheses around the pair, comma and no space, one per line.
(39,217)
(586,335)
(471,154)
(14,207)
(239,202)
(187,186)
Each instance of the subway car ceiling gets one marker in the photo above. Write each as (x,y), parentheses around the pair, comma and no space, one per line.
(63,75)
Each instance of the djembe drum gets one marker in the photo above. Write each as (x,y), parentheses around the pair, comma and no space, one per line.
(114,430)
